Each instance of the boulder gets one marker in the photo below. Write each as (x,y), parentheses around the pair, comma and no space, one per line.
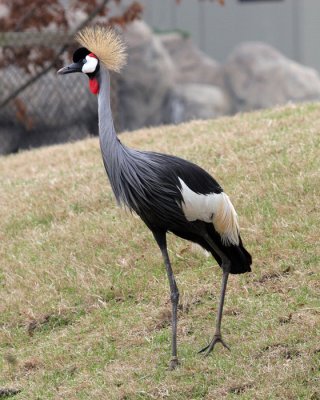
(196,101)
(146,80)
(259,76)
(191,64)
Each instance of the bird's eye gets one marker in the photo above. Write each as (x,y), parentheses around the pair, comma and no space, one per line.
(84,61)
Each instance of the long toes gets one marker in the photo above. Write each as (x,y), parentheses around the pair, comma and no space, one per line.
(203,350)
(220,340)
(174,363)
(208,349)
(224,344)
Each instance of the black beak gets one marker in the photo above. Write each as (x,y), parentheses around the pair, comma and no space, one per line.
(69,69)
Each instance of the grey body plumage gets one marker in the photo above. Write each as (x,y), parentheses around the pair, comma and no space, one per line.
(145,182)
(170,195)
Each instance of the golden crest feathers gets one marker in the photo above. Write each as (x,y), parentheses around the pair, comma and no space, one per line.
(105,44)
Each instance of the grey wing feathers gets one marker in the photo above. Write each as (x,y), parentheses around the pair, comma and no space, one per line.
(148,183)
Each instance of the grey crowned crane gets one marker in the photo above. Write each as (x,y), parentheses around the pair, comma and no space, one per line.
(168,193)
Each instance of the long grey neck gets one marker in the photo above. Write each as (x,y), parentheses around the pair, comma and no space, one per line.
(107,133)
(111,148)
(125,167)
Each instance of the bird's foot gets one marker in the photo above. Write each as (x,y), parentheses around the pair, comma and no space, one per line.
(216,339)
(174,363)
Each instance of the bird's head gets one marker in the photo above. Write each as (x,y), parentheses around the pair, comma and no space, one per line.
(101,47)
(86,62)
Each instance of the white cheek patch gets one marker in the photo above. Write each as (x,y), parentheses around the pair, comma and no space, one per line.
(91,65)
(213,207)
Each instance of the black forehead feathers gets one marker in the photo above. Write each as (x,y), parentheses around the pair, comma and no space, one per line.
(80,54)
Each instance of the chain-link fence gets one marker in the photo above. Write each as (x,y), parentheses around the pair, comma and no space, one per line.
(37,106)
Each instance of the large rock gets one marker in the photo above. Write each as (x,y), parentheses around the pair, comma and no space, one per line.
(196,101)
(191,64)
(258,76)
(144,83)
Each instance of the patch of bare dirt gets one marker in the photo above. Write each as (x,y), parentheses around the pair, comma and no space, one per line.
(272,276)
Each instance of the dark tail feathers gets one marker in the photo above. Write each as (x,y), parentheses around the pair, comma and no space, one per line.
(240,258)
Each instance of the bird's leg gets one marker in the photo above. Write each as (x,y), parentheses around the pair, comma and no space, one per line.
(174,295)
(217,335)
(226,269)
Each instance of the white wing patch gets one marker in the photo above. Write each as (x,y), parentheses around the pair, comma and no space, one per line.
(213,207)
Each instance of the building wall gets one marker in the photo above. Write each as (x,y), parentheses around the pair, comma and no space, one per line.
(292,26)
(310,32)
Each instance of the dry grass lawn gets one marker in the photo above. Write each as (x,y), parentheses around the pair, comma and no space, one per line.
(84,303)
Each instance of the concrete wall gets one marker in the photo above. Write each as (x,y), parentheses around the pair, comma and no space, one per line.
(292,26)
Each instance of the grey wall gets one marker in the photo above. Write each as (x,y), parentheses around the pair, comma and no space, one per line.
(292,26)
(310,32)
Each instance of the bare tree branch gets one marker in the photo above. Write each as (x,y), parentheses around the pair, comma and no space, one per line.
(56,58)
(23,19)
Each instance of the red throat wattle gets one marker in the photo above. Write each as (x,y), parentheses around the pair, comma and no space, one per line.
(94,85)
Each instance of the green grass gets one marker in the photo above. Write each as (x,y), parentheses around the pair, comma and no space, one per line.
(84,302)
